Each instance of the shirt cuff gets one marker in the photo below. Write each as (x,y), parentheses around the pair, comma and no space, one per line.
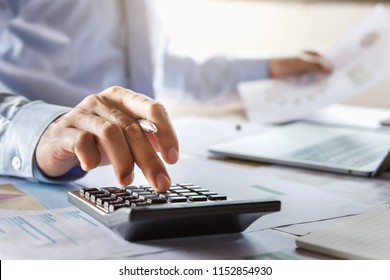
(22,136)
(72,175)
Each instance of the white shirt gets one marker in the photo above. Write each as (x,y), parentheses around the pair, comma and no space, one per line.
(61,51)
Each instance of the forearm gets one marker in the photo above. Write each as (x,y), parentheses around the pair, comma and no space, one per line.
(214,78)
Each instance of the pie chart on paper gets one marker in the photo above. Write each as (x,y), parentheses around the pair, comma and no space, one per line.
(12,198)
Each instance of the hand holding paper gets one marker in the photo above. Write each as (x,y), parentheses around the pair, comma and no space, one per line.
(361,60)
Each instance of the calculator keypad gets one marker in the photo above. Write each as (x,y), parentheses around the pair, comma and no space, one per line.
(110,199)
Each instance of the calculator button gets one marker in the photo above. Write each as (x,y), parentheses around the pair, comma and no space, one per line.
(126,197)
(189,194)
(131,188)
(106,204)
(124,194)
(141,203)
(139,191)
(177,199)
(157,200)
(112,190)
(114,206)
(217,197)
(145,187)
(83,190)
(131,199)
(197,198)
(119,194)
(166,195)
(88,194)
(147,196)
(101,200)
(208,193)
(194,188)
(185,184)
(174,188)
(181,191)
(140,194)
(94,197)
(202,190)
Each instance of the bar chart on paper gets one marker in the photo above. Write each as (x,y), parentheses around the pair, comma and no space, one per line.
(43,228)
(54,234)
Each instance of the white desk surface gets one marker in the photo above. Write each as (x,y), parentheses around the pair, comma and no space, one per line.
(308,197)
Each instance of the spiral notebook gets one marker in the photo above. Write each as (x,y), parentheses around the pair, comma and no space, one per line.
(365,236)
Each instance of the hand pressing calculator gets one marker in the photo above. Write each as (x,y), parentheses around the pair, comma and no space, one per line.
(139,213)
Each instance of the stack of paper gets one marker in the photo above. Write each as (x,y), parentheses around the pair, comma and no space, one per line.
(366,236)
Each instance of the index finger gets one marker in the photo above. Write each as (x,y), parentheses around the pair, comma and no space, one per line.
(138,105)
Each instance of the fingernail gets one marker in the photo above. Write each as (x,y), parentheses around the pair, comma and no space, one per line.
(83,166)
(163,182)
(173,155)
(128,180)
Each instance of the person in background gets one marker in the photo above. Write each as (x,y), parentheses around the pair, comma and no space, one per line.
(76,75)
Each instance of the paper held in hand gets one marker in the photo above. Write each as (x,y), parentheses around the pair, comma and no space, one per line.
(361,60)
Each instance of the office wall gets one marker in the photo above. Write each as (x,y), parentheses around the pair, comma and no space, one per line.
(260,27)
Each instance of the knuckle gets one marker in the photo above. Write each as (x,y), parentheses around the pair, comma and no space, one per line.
(110,130)
(76,111)
(91,100)
(155,108)
(66,119)
(133,129)
(114,89)
(83,139)
(154,163)
(117,116)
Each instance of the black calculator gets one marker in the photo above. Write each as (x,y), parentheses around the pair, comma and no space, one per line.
(140,213)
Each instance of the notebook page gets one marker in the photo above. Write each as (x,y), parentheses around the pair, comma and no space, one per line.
(365,236)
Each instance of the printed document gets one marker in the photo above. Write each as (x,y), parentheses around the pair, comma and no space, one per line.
(361,60)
